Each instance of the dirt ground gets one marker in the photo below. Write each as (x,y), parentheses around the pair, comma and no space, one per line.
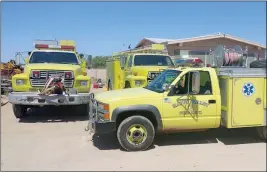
(55,139)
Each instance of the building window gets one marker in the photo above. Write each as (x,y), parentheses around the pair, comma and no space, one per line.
(201,52)
(177,52)
(251,54)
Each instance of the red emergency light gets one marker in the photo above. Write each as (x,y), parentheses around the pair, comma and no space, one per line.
(41,46)
(46,46)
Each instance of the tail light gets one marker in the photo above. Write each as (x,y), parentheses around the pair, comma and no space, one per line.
(36,74)
(68,75)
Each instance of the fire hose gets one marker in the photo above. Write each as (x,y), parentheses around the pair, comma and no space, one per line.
(56,88)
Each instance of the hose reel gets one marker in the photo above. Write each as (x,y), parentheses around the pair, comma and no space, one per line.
(224,56)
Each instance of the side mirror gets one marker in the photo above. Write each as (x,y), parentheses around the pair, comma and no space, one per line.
(122,61)
(89,61)
(81,56)
(195,82)
(166,87)
(171,90)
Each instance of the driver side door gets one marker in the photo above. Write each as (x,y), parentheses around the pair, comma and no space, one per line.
(189,109)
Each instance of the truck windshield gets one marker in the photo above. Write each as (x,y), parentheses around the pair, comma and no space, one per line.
(166,77)
(152,60)
(53,57)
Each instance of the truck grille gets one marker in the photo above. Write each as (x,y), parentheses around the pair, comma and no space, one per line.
(44,76)
(151,76)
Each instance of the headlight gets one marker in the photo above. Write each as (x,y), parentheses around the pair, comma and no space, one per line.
(84,83)
(19,82)
(103,111)
(137,82)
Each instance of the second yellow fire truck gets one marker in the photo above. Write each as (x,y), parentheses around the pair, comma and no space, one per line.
(137,67)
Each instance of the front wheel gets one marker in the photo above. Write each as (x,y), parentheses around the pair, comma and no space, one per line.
(20,111)
(127,85)
(136,133)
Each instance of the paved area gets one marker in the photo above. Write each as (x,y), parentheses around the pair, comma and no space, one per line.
(54,139)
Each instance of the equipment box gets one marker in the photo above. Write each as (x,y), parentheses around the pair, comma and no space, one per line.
(243,94)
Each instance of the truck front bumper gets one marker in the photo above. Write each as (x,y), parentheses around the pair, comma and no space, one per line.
(100,127)
(32,98)
(95,125)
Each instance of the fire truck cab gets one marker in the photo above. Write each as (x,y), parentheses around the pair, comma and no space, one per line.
(137,67)
(54,74)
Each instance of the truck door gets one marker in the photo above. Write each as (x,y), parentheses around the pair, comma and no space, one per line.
(192,104)
(128,66)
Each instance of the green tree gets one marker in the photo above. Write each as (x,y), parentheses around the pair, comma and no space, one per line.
(99,61)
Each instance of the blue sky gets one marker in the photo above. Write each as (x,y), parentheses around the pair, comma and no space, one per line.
(100,28)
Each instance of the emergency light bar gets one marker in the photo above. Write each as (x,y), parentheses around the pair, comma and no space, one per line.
(62,45)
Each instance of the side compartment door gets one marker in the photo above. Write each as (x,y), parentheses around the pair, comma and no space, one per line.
(192,105)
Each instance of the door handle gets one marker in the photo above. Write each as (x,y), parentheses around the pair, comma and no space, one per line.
(212,101)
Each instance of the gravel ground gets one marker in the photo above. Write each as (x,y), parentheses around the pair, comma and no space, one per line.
(54,139)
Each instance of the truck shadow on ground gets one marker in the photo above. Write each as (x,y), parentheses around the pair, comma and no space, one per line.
(226,136)
(53,114)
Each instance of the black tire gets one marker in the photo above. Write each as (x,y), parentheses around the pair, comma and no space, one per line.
(127,85)
(20,111)
(123,131)
(262,132)
(109,86)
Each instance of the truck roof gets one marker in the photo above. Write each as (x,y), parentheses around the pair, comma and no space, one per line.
(189,68)
(51,50)
(154,54)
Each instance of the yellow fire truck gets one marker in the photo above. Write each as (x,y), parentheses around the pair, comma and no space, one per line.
(183,99)
(54,74)
(137,67)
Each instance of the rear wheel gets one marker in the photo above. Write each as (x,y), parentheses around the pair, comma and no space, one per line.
(136,133)
(20,111)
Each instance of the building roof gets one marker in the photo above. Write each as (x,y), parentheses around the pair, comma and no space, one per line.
(153,40)
(200,38)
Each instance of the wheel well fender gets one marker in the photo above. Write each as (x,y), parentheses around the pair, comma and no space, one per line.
(148,111)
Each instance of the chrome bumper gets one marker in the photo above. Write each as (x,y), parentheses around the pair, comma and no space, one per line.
(32,98)
(92,114)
